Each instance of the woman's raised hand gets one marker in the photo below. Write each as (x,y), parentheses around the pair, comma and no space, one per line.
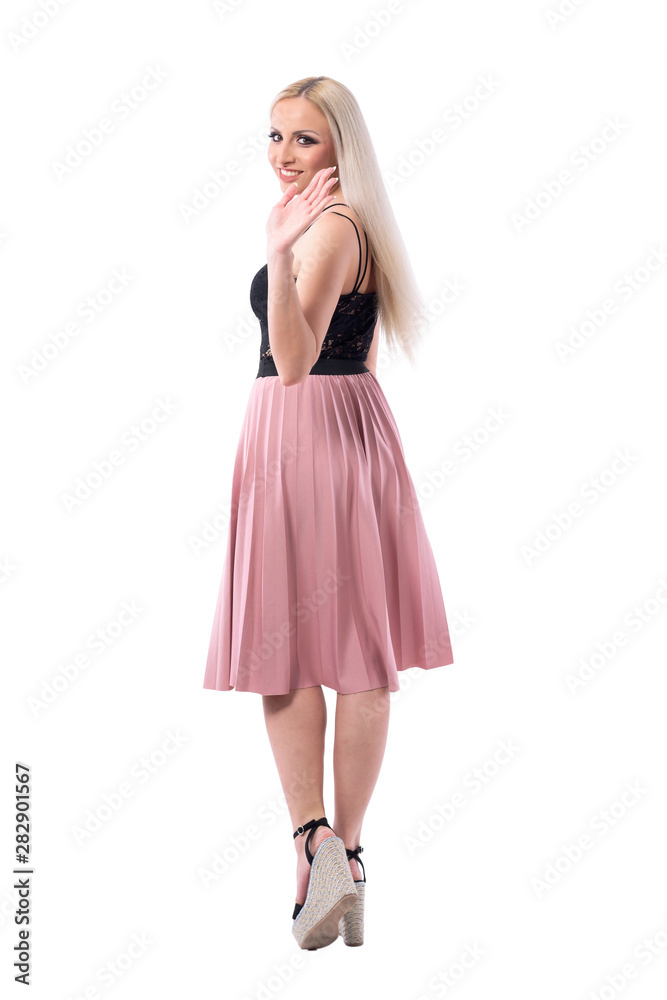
(291,216)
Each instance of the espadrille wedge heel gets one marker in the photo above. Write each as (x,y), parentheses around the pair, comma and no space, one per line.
(351,924)
(331,891)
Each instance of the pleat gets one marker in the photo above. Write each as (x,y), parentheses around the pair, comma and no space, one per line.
(329,576)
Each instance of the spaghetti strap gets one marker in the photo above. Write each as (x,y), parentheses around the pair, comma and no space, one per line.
(361,280)
(358,281)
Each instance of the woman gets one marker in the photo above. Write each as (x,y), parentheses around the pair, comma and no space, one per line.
(329,577)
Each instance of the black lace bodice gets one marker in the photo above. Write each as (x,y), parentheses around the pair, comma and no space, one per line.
(352,325)
(350,332)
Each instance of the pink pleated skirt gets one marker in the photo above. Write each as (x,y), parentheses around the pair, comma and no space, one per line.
(329,576)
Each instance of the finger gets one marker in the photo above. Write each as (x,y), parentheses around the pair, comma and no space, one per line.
(313,202)
(317,200)
(317,182)
(323,176)
(287,194)
(325,191)
(326,179)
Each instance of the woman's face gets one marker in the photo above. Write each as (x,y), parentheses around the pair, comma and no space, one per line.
(299,140)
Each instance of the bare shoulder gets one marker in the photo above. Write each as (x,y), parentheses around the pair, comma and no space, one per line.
(326,235)
(333,236)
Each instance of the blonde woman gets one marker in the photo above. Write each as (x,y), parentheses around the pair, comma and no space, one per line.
(329,579)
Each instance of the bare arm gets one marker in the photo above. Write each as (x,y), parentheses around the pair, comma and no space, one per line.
(292,339)
(299,313)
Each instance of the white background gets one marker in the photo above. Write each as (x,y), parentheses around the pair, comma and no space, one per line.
(520,623)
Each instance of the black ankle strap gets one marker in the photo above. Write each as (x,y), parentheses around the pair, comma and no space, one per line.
(312,826)
(355,854)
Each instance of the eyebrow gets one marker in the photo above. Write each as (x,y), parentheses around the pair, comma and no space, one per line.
(297,132)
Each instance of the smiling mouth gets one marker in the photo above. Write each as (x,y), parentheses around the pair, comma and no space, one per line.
(290,174)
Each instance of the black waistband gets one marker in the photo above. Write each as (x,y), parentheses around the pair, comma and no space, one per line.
(323,366)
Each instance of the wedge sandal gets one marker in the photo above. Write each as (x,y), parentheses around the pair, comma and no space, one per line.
(351,925)
(331,891)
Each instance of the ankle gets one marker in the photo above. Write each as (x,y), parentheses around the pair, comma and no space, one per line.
(314,838)
(351,840)
(307,814)
(357,875)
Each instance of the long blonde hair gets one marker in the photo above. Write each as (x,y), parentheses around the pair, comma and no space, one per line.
(400,305)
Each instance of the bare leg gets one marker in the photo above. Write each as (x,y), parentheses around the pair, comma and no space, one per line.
(296,724)
(362,722)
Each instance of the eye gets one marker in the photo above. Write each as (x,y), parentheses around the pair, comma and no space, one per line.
(309,141)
